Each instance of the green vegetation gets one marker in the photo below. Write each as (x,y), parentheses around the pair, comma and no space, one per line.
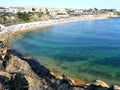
(47,12)
(39,14)
(61,13)
(24,16)
(70,11)
(118,13)
(33,9)
(4,18)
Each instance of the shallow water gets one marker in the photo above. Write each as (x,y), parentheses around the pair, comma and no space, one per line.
(88,50)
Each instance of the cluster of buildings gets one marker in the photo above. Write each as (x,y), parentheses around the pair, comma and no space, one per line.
(14,10)
(57,12)
(94,11)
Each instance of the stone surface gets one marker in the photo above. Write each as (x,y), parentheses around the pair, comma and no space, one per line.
(98,83)
(116,87)
(77,82)
(56,75)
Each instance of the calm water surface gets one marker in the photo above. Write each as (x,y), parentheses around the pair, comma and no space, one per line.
(88,50)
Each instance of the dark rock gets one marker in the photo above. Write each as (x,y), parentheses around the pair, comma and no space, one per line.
(1,57)
(76,88)
(93,87)
(7,57)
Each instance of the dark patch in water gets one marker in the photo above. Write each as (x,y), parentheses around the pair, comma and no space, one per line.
(118,75)
(111,61)
(65,68)
(70,58)
(92,48)
(59,63)
(96,73)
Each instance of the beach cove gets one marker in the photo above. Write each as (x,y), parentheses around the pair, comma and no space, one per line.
(36,25)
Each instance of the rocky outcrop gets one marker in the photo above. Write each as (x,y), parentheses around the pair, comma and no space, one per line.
(77,82)
(15,73)
(98,83)
(116,87)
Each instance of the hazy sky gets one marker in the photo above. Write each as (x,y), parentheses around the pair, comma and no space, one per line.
(64,3)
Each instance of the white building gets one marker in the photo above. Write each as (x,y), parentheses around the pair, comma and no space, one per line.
(58,12)
(3,9)
(14,10)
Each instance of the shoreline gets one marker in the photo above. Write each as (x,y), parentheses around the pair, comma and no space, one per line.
(43,24)
(17,29)
(13,30)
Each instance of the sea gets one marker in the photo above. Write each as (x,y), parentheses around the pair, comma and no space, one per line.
(88,50)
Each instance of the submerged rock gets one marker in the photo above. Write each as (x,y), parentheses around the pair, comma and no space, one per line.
(98,83)
(116,87)
(77,82)
(56,75)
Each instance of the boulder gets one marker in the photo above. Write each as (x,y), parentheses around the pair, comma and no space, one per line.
(15,64)
(98,83)
(33,83)
(5,74)
(77,82)
(116,87)
(22,69)
(27,58)
(56,75)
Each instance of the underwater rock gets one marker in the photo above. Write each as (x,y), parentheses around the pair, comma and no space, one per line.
(116,87)
(56,75)
(98,83)
(77,82)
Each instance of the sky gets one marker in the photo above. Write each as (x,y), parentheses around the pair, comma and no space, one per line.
(78,4)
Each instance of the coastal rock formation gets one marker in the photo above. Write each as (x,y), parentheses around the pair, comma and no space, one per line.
(77,82)
(56,75)
(98,83)
(15,73)
(116,87)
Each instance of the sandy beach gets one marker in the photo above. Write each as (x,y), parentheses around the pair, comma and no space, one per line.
(41,24)
(11,31)
(8,32)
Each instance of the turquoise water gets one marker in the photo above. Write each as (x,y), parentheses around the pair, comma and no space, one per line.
(88,50)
